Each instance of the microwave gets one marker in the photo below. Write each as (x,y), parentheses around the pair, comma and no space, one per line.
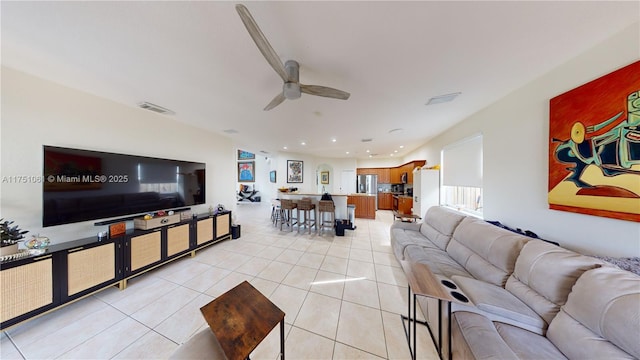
(403,178)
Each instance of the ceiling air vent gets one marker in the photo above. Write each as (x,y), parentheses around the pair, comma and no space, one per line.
(230,131)
(442,98)
(367,140)
(155,108)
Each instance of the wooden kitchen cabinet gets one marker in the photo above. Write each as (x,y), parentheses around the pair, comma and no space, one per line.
(384,176)
(395,175)
(405,203)
(385,201)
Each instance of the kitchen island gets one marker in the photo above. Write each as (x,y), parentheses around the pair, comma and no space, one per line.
(365,205)
(339,200)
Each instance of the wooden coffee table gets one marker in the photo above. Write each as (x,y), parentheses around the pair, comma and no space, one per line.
(405,217)
(241,318)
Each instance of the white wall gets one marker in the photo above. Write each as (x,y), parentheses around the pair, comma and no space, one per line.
(36,112)
(516,131)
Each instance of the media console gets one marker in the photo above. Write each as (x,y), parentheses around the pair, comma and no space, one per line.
(72,270)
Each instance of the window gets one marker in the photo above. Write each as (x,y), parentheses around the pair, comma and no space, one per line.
(461,165)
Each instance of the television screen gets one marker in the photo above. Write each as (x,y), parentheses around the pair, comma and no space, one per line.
(81,185)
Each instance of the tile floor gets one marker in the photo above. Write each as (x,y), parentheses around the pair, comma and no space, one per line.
(342,297)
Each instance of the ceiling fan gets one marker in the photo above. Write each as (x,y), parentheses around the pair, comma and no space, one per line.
(289,71)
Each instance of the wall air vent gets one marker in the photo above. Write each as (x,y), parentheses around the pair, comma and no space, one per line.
(155,108)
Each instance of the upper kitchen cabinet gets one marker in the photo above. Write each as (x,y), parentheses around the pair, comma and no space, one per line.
(384,176)
(393,175)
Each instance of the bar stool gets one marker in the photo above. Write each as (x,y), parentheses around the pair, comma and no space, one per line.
(326,207)
(287,217)
(307,207)
(276,211)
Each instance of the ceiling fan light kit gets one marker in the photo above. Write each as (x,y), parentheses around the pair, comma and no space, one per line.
(289,71)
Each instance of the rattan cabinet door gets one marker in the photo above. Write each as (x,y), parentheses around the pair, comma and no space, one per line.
(223,225)
(90,267)
(26,288)
(177,239)
(204,231)
(145,250)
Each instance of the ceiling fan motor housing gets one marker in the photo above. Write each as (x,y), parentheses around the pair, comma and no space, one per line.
(291,88)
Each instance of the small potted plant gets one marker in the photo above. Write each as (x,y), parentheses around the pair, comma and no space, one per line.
(10,236)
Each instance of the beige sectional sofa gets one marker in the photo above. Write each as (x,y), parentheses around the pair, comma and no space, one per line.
(529,299)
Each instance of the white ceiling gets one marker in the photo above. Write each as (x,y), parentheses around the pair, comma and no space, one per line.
(197,59)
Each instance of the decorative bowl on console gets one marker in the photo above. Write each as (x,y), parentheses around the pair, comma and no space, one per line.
(37,242)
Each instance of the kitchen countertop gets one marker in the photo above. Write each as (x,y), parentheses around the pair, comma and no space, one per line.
(360,194)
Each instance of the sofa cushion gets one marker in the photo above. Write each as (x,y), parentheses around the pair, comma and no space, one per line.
(497,304)
(601,318)
(402,237)
(478,336)
(527,345)
(439,224)
(439,262)
(544,274)
(486,251)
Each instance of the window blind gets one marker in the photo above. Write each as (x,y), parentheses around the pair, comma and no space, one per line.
(462,163)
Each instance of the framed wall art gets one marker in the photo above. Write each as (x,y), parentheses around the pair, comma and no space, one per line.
(324,177)
(245,155)
(247,171)
(294,171)
(272,176)
(594,147)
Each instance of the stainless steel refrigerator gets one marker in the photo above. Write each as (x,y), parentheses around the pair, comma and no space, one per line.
(368,184)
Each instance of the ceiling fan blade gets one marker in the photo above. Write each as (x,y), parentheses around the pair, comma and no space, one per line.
(324,91)
(261,41)
(275,102)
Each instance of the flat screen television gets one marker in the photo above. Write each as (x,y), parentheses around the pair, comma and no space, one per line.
(81,185)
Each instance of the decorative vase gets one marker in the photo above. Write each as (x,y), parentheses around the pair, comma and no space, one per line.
(9,249)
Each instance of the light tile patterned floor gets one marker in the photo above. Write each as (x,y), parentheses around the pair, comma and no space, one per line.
(342,297)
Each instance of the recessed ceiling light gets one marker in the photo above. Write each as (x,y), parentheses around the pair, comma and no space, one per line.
(401,146)
(390,154)
(347,153)
(284,147)
(368,150)
(303,143)
(395,151)
(334,140)
(442,98)
(370,155)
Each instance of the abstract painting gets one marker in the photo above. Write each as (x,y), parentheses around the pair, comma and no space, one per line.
(594,147)
(294,171)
